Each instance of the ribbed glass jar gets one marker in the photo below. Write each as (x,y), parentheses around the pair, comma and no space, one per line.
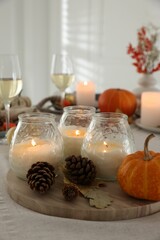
(36,138)
(73,126)
(108,140)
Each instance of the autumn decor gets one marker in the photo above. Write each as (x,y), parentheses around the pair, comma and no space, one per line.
(117,100)
(96,195)
(146,55)
(79,170)
(41,176)
(70,192)
(139,174)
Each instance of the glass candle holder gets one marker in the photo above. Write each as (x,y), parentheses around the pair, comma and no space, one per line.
(36,138)
(108,140)
(73,126)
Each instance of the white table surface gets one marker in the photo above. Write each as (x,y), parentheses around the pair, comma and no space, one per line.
(19,223)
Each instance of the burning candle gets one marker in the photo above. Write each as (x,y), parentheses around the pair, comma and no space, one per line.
(24,154)
(150,109)
(73,139)
(85,93)
(107,157)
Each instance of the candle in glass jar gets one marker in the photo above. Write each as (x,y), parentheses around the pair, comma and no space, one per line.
(73,139)
(150,109)
(85,93)
(107,157)
(24,154)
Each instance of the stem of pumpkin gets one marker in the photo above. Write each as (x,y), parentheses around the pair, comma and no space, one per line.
(147,155)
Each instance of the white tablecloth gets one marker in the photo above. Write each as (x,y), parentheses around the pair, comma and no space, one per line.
(19,223)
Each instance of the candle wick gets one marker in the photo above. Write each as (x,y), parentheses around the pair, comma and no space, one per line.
(106,145)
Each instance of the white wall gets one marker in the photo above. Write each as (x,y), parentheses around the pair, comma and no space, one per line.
(97,35)
(95,32)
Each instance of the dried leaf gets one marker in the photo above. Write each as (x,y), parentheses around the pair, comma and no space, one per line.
(97,198)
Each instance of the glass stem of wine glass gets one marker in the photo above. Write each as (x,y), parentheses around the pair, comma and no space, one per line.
(62,98)
(7,109)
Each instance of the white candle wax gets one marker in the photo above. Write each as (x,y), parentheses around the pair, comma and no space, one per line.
(72,140)
(107,157)
(24,154)
(150,109)
(85,93)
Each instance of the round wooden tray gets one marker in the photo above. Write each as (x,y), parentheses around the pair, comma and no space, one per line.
(53,203)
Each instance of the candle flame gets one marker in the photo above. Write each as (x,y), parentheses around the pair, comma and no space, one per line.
(77,132)
(85,83)
(106,145)
(33,143)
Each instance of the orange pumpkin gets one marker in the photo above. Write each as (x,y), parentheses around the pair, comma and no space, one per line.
(139,174)
(112,100)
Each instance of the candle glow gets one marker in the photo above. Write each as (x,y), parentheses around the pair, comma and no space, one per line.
(150,109)
(85,93)
(72,139)
(107,157)
(24,154)
(78,133)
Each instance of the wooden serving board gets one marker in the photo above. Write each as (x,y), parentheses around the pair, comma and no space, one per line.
(53,203)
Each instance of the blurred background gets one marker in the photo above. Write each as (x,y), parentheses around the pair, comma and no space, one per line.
(96,34)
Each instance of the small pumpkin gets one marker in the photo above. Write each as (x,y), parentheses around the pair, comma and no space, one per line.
(139,173)
(22,101)
(115,99)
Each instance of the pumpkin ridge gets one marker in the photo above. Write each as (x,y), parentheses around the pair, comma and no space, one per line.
(122,103)
(132,175)
(153,180)
(157,163)
(110,101)
(145,186)
(137,190)
(129,100)
(126,167)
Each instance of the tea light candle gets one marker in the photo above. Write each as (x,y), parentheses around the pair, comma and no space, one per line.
(85,93)
(26,153)
(107,157)
(150,109)
(73,139)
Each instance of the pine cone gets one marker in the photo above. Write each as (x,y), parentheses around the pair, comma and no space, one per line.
(80,170)
(41,176)
(70,192)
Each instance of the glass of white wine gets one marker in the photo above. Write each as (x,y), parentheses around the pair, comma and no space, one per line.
(10,83)
(62,73)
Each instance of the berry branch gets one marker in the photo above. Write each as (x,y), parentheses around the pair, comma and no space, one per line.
(146,54)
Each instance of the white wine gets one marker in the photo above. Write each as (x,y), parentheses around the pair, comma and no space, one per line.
(9,88)
(62,81)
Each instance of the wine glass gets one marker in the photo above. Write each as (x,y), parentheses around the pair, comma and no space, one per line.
(62,74)
(10,83)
